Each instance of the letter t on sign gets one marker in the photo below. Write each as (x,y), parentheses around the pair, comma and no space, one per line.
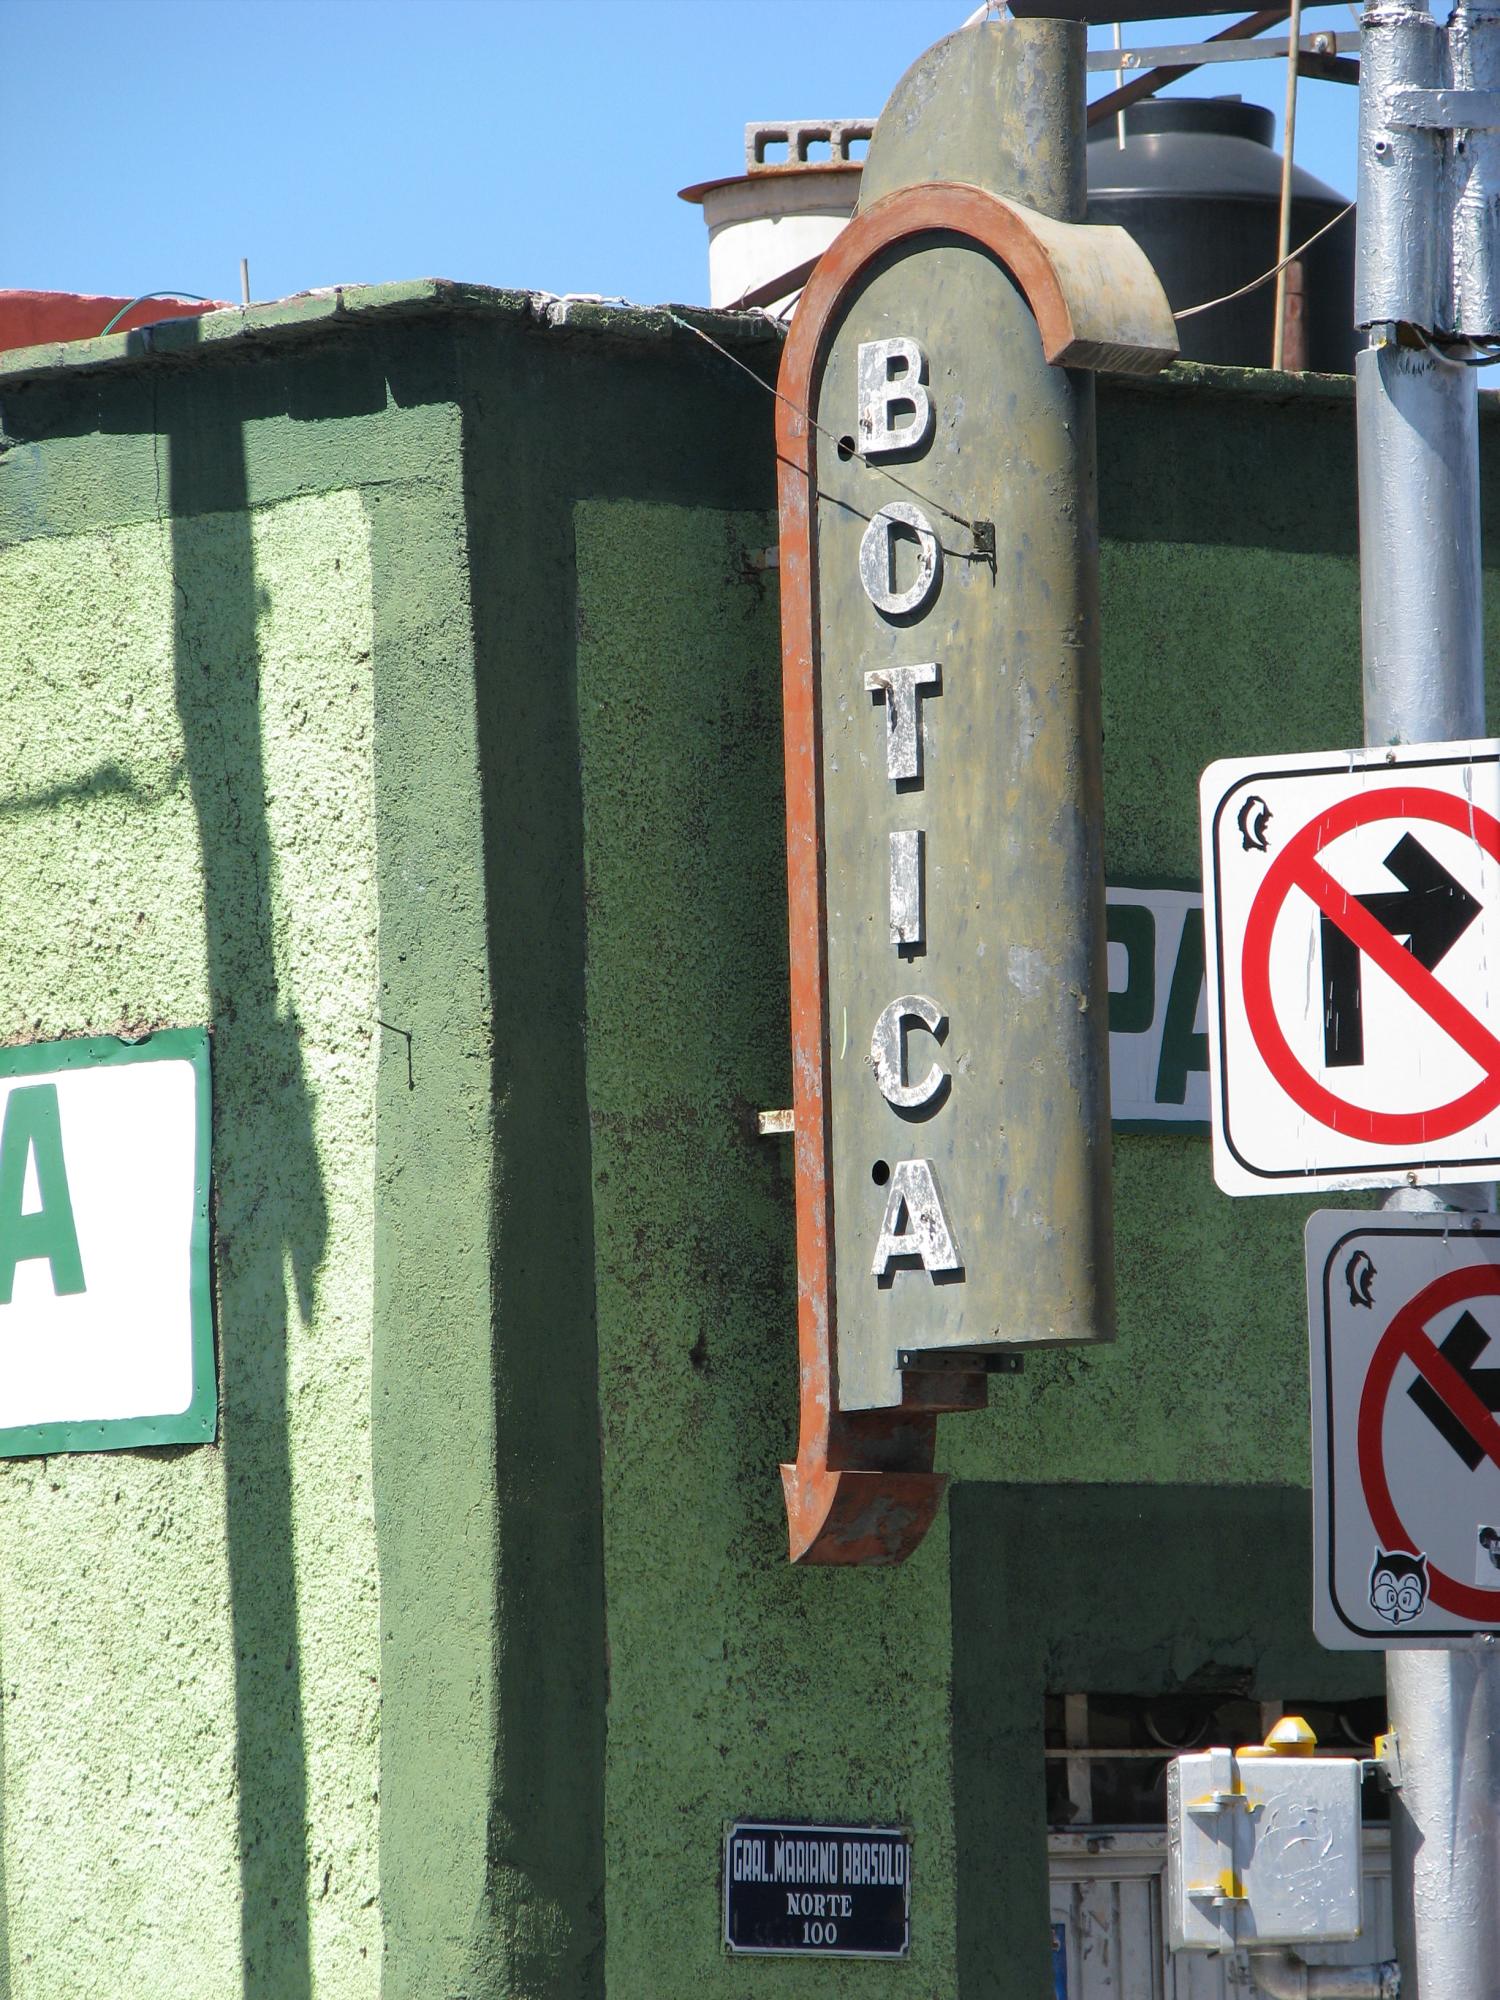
(903,721)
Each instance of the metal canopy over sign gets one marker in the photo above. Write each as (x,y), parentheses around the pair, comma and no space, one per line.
(817,1891)
(1404,1328)
(106,1333)
(1132,10)
(935,435)
(1352,911)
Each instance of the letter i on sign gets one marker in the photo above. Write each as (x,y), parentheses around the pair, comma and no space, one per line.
(914,1228)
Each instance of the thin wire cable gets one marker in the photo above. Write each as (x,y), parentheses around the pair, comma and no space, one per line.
(845,446)
(1481,360)
(195,298)
(1266,276)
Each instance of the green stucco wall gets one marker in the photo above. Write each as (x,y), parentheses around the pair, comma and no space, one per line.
(738,1685)
(1174,1447)
(244,790)
(189,1637)
(394,689)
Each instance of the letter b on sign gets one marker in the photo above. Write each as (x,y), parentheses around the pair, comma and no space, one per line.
(891,374)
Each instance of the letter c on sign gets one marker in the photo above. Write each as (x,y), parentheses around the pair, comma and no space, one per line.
(888,1051)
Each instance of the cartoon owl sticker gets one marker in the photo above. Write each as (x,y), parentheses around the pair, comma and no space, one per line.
(1398,1585)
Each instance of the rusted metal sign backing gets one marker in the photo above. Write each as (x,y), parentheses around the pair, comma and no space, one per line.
(938,559)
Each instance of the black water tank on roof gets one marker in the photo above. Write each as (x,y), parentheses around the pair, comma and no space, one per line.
(1199,188)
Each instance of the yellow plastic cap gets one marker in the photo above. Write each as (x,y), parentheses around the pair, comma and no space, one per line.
(1291,1737)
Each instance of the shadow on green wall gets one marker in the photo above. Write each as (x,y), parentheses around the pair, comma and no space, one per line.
(523,476)
(270,1207)
(1224,1570)
(547,1827)
(107,780)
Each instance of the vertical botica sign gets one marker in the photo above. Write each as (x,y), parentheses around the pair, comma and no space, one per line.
(938,562)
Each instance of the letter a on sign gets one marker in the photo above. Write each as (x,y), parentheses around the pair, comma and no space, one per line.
(30,1136)
(106,1330)
(916,1223)
(1352,920)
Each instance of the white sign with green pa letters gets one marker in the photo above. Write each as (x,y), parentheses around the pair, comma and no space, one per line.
(106,1330)
(1158,1022)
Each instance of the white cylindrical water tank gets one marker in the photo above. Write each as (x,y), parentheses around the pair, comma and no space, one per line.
(772,222)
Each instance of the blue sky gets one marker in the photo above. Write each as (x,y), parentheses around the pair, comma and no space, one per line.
(148,144)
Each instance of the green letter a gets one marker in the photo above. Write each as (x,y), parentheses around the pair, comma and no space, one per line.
(32,1131)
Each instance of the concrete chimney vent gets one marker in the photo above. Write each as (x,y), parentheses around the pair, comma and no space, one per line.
(799,188)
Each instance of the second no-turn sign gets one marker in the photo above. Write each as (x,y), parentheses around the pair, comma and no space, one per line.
(1403,1316)
(1352,922)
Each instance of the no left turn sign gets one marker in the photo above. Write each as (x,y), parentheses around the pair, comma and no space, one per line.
(1352,920)
(1404,1326)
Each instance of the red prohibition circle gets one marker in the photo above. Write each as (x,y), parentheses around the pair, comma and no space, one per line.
(1297,867)
(1403,1340)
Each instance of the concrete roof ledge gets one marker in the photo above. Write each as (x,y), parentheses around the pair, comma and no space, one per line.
(308,314)
(320,311)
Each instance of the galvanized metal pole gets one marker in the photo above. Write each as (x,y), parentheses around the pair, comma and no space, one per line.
(1418,414)
(1418,421)
(1419,576)
(1445,1820)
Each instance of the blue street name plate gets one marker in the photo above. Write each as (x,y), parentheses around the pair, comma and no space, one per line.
(830,1891)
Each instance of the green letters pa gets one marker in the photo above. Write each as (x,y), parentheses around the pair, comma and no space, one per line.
(32,1131)
(1182,1049)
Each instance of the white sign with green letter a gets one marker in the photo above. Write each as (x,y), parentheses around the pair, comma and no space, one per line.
(106,1322)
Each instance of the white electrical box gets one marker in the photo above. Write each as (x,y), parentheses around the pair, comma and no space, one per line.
(1262,1850)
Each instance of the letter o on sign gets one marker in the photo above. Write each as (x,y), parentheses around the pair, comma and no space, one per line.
(877,559)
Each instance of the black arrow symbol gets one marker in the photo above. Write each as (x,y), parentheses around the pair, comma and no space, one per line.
(1430,913)
(1461,1349)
